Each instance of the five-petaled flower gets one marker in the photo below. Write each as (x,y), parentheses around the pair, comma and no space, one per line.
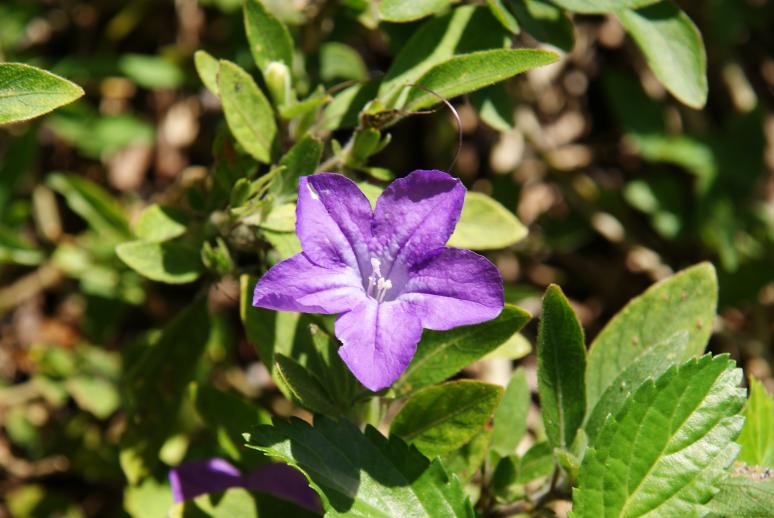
(385,270)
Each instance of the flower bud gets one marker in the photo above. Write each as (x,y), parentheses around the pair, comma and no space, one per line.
(277,76)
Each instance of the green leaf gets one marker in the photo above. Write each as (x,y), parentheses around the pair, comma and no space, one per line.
(248,113)
(561,362)
(673,48)
(301,160)
(601,6)
(207,68)
(363,474)
(340,61)
(343,110)
(285,243)
(464,29)
(157,223)
(744,496)
(95,395)
(154,384)
(683,303)
(486,225)
(303,386)
(26,92)
(152,72)
(469,72)
(545,22)
(402,11)
(667,449)
(268,37)
(150,499)
(510,418)
(651,364)
(228,415)
(442,418)
(536,463)
(169,262)
(441,354)
(503,15)
(92,203)
(16,251)
(228,504)
(757,437)
(466,461)
(495,107)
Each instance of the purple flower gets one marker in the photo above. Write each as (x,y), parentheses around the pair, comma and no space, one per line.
(386,270)
(199,477)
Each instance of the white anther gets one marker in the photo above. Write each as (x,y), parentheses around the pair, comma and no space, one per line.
(376,264)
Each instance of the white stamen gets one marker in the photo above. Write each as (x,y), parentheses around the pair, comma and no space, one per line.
(376,264)
(312,192)
(375,280)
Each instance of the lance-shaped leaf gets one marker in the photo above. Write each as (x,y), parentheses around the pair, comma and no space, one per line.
(561,362)
(649,365)
(442,418)
(545,22)
(683,303)
(441,354)
(666,451)
(486,225)
(402,11)
(154,387)
(510,419)
(207,68)
(757,437)
(269,38)
(673,48)
(470,72)
(26,92)
(248,112)
(301,160)
(363,474)
(601,6)
(744,496)
(169,262)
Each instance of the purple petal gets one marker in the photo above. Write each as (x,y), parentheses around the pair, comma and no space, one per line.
(454,288)
(416,214)
(378,340)
(333,220)
(285,482)
(199,477)
(297,284)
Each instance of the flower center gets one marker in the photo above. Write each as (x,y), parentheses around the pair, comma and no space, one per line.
(378,286)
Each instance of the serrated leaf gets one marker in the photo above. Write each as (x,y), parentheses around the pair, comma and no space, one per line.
(464,29)
(510,418)
(561,362)
(486,225)
(363,474)
(402,11)
(154,384)
(169,262)
(470,72)
(27,92)
(207,68)
(301,160)
(741,496)
(673,48)
(601,6)
(157,223)
(92,203)
(268,37)
(757,437)
(667,449)
(684,302)
(441,354)
(442,418)
(248,112)
(544,22)
(228,415)
(651,364)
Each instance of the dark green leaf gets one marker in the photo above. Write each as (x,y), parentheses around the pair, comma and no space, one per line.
(154,385)
(495,107)
(302,160)
(510,419)
(442,418)
(545,22)
(470,72)
(269,38)
(441,354)
(668,448)
(26,92)
(673,48)
(561,359)
(248,113)
(363,474)
(683,303)
(757,437)
(304,388)
(169,262)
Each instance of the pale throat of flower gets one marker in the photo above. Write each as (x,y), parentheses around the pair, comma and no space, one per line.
(378,286)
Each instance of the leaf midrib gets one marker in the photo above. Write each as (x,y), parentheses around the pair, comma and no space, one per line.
(446,417)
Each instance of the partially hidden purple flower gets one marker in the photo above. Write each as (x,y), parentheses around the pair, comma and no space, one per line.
(385,270)
(200,477)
